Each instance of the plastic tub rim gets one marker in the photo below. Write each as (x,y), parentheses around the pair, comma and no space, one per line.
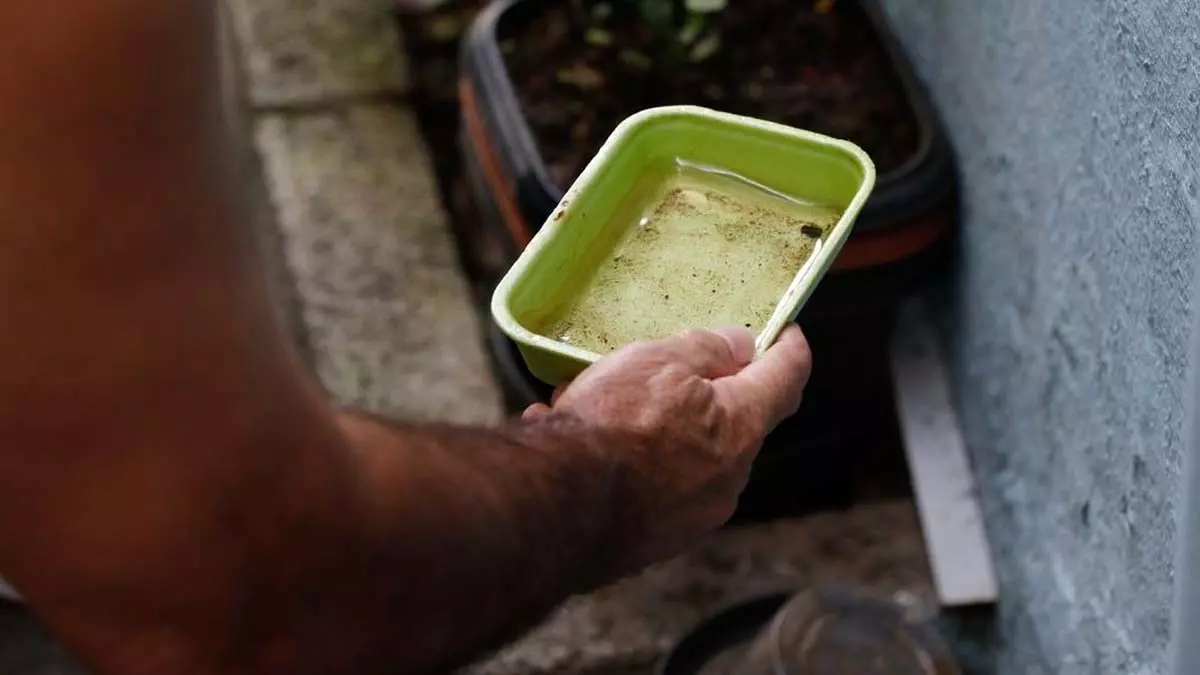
(789,305)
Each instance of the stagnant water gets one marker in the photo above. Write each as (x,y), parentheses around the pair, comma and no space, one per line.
(708,249)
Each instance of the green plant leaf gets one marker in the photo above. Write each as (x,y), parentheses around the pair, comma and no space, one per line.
(598,37)
(636,59)
(705,48)
(657,13)
(581,76)
(691,29)
(705,6)
(443,28)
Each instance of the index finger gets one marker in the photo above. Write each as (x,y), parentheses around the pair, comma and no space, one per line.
(770,388)
(711,354)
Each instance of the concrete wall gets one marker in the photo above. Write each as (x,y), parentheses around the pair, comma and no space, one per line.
(1077,123)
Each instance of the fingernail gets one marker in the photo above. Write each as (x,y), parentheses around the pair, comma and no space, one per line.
(741,342)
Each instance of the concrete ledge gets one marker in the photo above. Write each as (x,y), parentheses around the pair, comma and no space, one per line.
(391,322)
(250,176)
(300,52)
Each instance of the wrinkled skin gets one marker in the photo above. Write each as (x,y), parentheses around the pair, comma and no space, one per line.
(700,409)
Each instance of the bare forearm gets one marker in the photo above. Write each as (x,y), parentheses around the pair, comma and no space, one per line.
(480,532)
(385,550)
(178,497)
(454,541)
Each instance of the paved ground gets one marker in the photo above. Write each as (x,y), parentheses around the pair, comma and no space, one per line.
(364,272)
(366,267)
(626,628)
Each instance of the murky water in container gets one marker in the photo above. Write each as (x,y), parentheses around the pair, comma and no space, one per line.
(709,249)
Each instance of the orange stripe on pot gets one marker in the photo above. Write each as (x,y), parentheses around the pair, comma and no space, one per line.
(501,188)
(871,250)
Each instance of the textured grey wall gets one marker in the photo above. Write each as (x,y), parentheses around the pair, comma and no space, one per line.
(1078,131)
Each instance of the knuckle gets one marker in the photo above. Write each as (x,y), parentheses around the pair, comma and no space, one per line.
(647,422)
(707,341)
(637,349)
(709,423)
(751,430)
(674,376)
(698,335)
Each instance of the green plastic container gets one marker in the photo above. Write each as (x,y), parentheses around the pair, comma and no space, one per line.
(578,236)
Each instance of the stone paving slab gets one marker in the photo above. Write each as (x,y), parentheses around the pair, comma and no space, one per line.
(298,52)
(391,323)
(876,547)
(247,162)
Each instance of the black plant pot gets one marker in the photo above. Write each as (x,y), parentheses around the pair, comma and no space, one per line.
(898,240)
(902,239)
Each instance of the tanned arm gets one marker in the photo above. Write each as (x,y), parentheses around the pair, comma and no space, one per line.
(169,479)
(176,494)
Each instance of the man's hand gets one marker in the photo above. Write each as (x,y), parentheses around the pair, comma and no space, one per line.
(695,410)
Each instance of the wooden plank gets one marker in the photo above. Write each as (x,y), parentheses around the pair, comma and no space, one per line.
(951,517)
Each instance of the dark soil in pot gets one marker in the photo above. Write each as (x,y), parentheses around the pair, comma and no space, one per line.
(579,70)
